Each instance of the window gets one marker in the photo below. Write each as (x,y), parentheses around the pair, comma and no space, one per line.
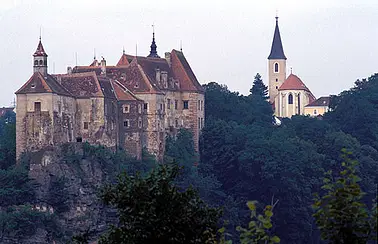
(37,107)
(136,85)
(176,123)
(126,108)
(79,139)
(176,104)
(315,112)
(277,87)
(161,107)
(40,62)
(202,123)
(145,106)
(199,123)
(140,122)
(126,123)
(36,62)
(276,80)
(139,108)
(86,125)
(199,104)
(276,68)
(186,104)
(290,99)
(169,103)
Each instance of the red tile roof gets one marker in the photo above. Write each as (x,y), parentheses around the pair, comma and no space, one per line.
(39,84)
(81,84)
(183,72)
(293,83)
(40,50)
(123,60)
(122,93)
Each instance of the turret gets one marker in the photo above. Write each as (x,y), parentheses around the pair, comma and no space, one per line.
(40,59)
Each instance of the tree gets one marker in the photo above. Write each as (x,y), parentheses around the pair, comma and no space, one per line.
(340,214)
(259,89)
(153,210)
(258,231)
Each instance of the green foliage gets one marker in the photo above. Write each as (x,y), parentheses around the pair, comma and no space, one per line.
(259,89)
(153,210)
(340,214)
(7,140)
(259,227)
(15,186)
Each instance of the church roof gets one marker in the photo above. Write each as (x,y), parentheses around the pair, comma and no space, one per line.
(277,51)
(40,50)
(293,83)
(320,102)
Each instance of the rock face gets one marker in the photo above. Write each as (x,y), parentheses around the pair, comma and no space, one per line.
(68,183)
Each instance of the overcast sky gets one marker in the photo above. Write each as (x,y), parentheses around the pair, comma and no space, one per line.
(328,43)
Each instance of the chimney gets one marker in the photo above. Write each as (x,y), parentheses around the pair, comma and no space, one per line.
(164,78)
(168,58)
(103,66)
(69,70)
(157,72)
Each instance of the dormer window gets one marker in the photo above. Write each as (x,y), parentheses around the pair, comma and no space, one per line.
(276,70)
(33,85)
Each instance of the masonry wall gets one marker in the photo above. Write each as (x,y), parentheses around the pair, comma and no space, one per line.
(130,127)
(154,130)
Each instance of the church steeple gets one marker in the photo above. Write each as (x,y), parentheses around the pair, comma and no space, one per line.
(153,52)
(277,51)
(40,59)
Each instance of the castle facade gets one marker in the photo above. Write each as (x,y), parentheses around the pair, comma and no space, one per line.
(132,105)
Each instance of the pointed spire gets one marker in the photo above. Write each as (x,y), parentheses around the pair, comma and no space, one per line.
(153,52)
(277,49)
(123,50)
(40,50)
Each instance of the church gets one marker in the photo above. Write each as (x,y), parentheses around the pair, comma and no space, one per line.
(288,94)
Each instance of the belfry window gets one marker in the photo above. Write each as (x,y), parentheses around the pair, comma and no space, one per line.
(290,99)
(276,68)
(40,62)
(36,62)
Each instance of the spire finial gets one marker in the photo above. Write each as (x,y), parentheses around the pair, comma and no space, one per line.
(40,33)
(153,52)
(291,70)
(276,15)
(123,50)
(94,54)
(181,45)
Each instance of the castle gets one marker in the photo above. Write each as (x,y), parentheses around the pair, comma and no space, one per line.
(288,94)
(132,105)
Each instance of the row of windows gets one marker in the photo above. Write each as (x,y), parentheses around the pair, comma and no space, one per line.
(171,104)
(200,105)
(40,62)
(126,108)
(127,123)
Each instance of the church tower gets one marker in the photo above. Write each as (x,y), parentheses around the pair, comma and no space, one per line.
(277,64)
(40,59)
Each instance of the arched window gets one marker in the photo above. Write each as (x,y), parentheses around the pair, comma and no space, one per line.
(276,68)
(40,62)
(35,62)
(290,99)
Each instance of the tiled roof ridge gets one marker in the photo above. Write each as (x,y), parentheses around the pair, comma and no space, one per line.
(81,74)
(31,78)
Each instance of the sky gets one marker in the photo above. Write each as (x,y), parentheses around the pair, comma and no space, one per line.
(329,44)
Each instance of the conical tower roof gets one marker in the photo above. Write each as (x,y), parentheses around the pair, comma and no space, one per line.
(277,51)
(40,50)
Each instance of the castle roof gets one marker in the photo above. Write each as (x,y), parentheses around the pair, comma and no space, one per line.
(123,60)
(138,74)
(122,93)
(40,50)
(37,83)
(320,102)
(81,85)
(276,51)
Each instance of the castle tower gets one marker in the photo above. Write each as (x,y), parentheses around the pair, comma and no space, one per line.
(40,59)
(277,64)
(153,52)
